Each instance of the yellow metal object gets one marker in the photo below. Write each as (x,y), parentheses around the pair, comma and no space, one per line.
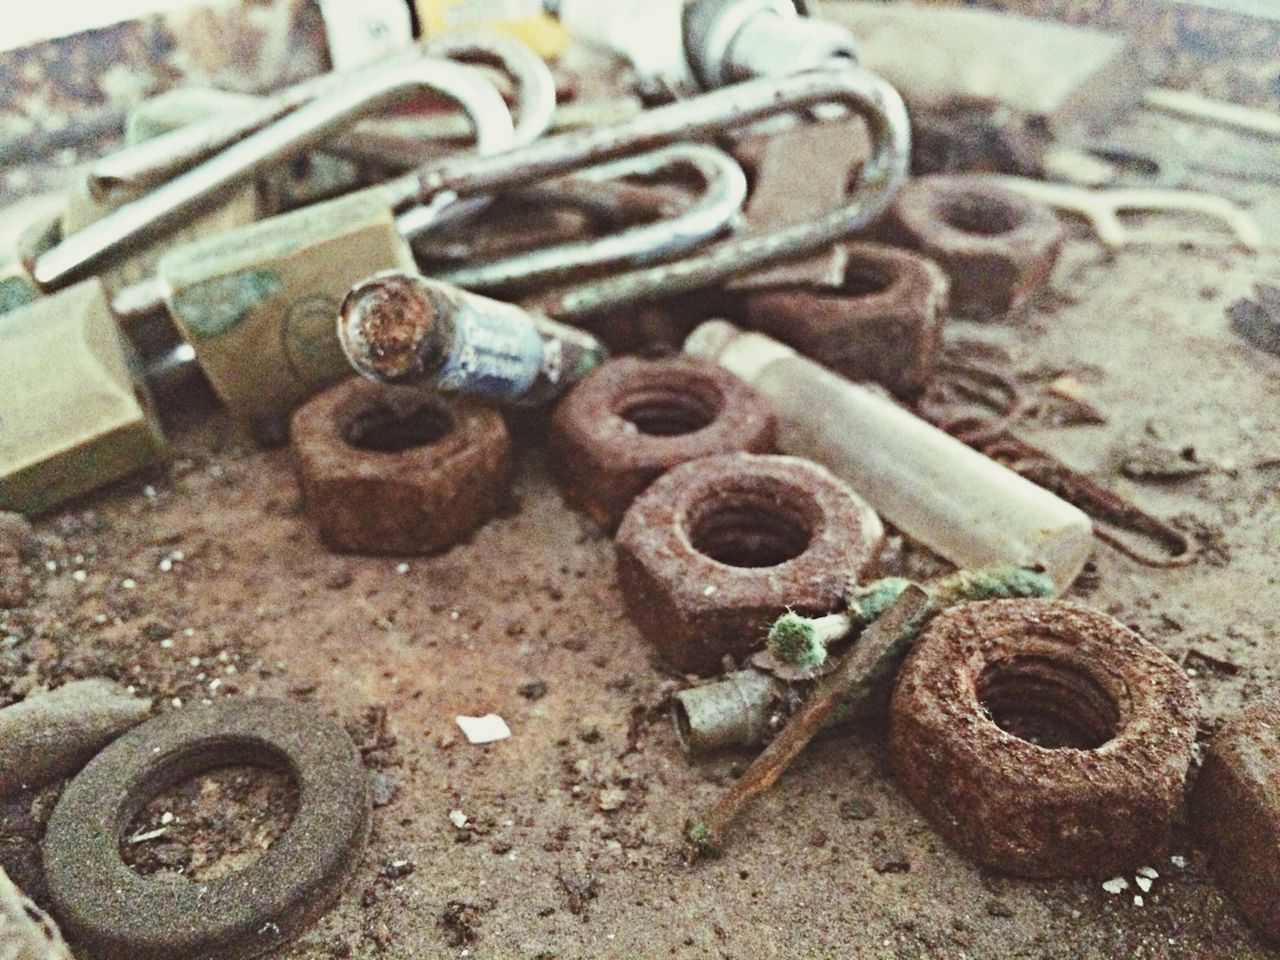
(74,412)
(260,304)
(26,230)
(521,19)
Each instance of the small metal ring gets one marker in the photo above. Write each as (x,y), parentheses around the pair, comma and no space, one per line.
(110,909)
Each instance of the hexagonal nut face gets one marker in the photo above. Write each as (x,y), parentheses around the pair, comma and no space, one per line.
(884,323)
(997,247)
(1235,812)
(398,471)
(632,420)
(1043,738)
(718,548)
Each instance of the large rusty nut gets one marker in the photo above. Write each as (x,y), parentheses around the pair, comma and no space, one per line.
(997,247)
(883,323)
(1043,738)
(1235,812)
(717,549)
(398,471)
(632,420)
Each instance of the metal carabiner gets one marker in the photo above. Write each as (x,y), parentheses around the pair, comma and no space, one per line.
(738,105)
(307,125)
(153,161)
(724,192)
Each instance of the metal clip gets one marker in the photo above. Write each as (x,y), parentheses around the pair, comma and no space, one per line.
(724,192)
(312,123)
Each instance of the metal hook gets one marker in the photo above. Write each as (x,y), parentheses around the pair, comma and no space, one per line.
(307,125)
(724,192)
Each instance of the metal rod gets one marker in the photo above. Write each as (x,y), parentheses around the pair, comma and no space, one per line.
(309,124)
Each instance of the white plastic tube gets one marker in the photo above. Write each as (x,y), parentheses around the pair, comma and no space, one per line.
(959,503)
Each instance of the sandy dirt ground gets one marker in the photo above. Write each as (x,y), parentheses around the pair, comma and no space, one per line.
(206,580)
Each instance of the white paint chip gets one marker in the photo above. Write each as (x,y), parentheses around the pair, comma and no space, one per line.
(487,729)
(1137,900)
(1144,884)
(1151,873)
(1179,861)
(458,819)
(1116,885)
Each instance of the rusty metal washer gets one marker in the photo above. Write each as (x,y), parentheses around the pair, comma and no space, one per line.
(107,908)
(632,420)
(1115,720)
(718,548)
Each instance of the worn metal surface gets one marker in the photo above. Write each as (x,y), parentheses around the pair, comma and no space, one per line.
(632,420)
(997,247)
(1235,811)
(717,549)
(882,322)
(1043,739)
(399,471)
(113,912)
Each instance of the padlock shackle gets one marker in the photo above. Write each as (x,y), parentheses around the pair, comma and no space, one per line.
(309,124)
(724,191)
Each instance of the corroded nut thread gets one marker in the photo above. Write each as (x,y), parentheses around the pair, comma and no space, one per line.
(883,323)
(399,471)
(717,549)
(1043,738)
(631,420)
(1235,812)
(997,246)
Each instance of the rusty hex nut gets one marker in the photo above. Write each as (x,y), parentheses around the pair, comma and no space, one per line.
(883,323)
(717,549)
(1043,738)
(632,420)
(399,471)
(1235,812)
(997,246)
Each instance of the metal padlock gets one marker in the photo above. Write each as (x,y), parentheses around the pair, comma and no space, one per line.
(258,304)
(75,413)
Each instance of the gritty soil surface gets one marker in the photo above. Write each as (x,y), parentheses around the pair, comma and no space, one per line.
(207,580)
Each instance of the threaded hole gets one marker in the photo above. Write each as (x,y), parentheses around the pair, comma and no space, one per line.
(742,528)
(1049,703)
(384,429)
(984,216)
(861,280)
(671,411)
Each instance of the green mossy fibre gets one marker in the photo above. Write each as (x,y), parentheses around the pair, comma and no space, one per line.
(794,640)
(802,641)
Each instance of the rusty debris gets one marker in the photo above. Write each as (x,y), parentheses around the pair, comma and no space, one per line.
(997,247)
(399,472)
(1042,738)
(717,549)
(631,420)
(839,402)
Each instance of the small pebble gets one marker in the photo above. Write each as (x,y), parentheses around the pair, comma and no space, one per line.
(1144,884)
(1116,885)
(1149,872)
(458,819)
(487,729)
(1179,861)
(611,798)
(1137,900)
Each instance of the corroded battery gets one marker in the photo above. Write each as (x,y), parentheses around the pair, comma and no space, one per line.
(75,413)
(260,304)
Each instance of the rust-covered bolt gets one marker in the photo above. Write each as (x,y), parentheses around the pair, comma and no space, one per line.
(1235,812)
(397,471)
(1043,738)
(997,247)
(883,323)
(717,549)
(631,420)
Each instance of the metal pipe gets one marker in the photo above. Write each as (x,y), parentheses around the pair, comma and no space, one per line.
(725,191)
(309,124)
